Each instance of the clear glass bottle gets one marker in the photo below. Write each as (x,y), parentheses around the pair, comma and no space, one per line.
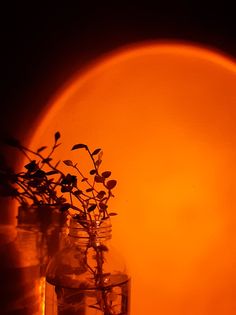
(88,276)
(47,226)
(48,223)
(20,273)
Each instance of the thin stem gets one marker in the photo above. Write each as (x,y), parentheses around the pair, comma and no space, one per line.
(25,154)
(100,280)
(84,178)
(43,159)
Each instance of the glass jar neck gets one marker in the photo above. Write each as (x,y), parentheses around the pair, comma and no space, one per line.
(90,232)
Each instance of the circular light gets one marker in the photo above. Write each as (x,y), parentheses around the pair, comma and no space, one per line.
(164,115)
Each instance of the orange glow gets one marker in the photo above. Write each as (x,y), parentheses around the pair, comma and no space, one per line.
(164,115)
(42,285)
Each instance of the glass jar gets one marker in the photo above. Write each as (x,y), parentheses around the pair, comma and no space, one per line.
(20,272)
(87,276)
(47,224)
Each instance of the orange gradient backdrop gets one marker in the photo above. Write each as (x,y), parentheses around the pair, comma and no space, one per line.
(164,115)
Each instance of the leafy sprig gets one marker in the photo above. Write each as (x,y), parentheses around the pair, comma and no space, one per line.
(44,182)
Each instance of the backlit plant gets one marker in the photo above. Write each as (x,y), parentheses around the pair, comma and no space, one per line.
(85,196)
(43,182)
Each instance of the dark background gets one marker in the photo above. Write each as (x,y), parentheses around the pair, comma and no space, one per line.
(42,45)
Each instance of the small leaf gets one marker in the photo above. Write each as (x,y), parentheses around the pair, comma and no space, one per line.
(47,160)
(111,184)
(112,214)
(98,179)
(100,155)
(96,151)
(92,207)
(98,163)
(41,149)
(84,179)
(52,173)
(89,189)
(65,207)
(32,166)
(69,180)
(79,146)
(78,192)
(65,189)
(101,194)
(68,162)
(106,174)
(57,136)
(103,206)
(92,172)
(38,174)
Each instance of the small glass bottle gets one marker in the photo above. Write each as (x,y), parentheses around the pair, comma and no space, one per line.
(46,224)
(88,276)
(20,273)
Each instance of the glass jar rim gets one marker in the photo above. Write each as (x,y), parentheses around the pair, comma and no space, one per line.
(90,228)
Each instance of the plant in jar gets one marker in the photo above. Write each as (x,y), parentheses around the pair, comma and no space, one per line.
(86,276)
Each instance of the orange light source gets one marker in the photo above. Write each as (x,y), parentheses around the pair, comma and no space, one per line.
(164,115)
